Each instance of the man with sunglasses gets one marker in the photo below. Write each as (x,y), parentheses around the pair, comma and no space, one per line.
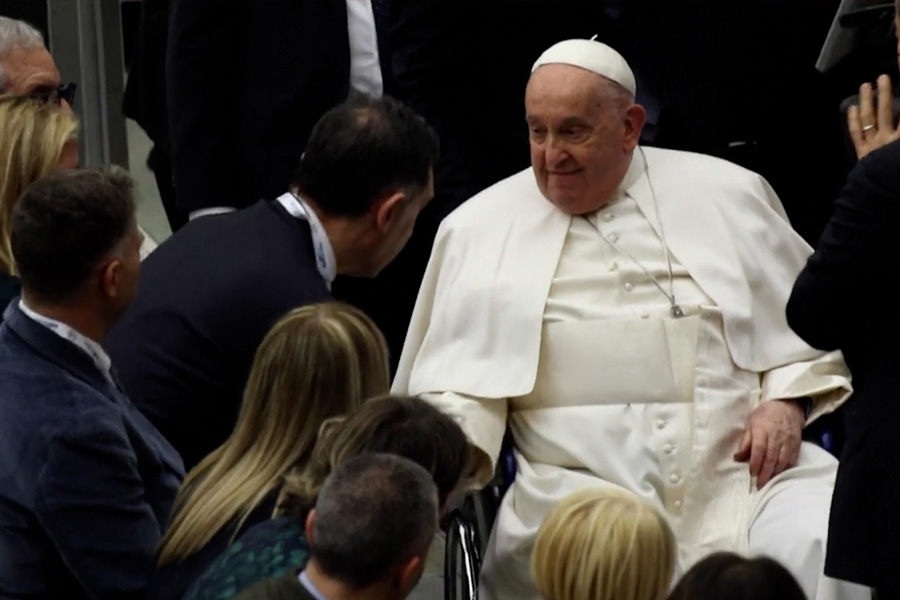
(27,68)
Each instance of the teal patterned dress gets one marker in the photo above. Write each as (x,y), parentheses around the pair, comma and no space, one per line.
(269,549)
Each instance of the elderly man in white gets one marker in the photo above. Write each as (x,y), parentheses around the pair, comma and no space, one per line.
(621,310)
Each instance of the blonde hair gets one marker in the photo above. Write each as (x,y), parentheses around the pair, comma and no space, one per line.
(32,137)
(318,362)
(603,545)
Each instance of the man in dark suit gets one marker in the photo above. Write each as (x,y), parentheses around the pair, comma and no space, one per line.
(209,294)
(248,79)
(381,551)
(835,307)
(86,482)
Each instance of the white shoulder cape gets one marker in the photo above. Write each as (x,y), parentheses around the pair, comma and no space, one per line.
(477,323)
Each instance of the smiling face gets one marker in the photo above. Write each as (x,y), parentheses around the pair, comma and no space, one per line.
(582,131)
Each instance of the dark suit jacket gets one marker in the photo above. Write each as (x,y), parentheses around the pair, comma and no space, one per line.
(247,81)
(206,299)
(845,299)
(86,482)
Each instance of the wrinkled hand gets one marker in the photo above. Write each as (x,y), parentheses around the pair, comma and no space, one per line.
(771,442)
(871,126)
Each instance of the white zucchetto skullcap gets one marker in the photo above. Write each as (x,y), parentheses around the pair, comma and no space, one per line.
(593,56)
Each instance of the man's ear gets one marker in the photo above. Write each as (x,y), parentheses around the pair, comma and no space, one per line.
(635,119)
(387,210)
(407,574)
(110,275)
(310,525)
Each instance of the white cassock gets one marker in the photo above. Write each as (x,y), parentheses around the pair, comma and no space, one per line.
(529,317)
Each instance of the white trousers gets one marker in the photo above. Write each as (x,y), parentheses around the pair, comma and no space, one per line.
(792,528)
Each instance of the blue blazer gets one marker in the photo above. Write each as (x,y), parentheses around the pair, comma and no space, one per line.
(86,482)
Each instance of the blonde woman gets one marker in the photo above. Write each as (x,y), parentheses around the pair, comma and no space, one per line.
(407,427)
(318,362)
(36,138)
(602,544)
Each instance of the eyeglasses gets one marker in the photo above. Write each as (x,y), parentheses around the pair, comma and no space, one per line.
(64,92)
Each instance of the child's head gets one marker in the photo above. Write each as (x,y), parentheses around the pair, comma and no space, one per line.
(604,545)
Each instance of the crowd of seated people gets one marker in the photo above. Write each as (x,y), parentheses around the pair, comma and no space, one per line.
(252,446)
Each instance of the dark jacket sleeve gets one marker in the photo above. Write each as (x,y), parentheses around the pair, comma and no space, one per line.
(848,280)
(201,62)
(91,502)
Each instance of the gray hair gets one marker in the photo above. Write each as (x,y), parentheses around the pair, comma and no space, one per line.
(374,511)
(613,91)
(16,34)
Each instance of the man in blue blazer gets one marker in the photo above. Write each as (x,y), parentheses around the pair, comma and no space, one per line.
(86,482)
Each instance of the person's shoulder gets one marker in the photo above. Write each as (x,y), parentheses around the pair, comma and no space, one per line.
(698,168)
(49,387)
(208,237)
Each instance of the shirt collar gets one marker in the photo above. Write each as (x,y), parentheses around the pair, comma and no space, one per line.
(303,578)
(634,172)
(326,263)
(632,175)
(85,344)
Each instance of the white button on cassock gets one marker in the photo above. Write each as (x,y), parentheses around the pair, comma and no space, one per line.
(628,287)
(614,238)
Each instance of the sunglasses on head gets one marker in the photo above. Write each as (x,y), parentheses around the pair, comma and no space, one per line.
(64,92)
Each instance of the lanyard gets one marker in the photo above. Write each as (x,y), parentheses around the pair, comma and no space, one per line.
(88,346)
(325,261)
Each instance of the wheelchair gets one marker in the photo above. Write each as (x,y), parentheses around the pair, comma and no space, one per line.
(469,526)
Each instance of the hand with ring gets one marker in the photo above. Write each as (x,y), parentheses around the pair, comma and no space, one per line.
(872,126)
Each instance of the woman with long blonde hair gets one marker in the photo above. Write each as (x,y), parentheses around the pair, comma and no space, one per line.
(603,544)
(318,362)
(404,426)
(36,138)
